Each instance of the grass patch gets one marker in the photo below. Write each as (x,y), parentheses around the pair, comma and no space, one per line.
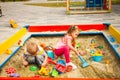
(115,1)
(55,4)
(12,0)
(63,4)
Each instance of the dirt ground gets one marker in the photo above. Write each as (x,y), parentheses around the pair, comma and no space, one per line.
(94,70)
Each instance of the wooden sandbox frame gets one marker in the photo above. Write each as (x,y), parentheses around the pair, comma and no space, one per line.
(29,31)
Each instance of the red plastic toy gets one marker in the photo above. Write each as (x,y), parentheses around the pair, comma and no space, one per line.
(43,45)
(10,70)
(19,42)
(49,60)
(60,68)
(68,68)
(36,76)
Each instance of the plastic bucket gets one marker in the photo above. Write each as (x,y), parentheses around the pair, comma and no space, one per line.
(50,54)
(60,68)
(61,62)
(97,58)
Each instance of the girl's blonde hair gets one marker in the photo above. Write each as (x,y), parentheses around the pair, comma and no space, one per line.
(72,29)
(32,48)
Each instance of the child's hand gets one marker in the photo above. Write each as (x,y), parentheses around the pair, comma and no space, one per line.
(81,53)
(25,63)
(44,64)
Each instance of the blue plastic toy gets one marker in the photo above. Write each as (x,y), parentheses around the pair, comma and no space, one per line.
(116,46)
(94,3)
(97,58)
(50,54)
(84,63)
(61,62)
(111,39)
(92,51)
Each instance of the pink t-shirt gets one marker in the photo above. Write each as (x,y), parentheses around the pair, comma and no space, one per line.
(63,41)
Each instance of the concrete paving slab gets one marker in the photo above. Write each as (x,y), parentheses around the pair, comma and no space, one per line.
(36,15)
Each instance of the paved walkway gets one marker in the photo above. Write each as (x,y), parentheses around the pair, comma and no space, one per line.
(34,15)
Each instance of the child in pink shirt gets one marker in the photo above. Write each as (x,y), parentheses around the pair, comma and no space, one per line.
(66,44)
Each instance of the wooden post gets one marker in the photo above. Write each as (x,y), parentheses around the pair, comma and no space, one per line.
(0,11)
(110,5)
(68,5)
(85,3)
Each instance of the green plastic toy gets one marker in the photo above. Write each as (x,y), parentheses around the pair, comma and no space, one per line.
(33,68)
(100,47)
(78,45)
(54,73)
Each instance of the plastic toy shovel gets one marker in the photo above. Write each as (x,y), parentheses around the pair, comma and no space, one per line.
(84,63)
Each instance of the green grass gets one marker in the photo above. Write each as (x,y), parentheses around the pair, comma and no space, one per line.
(61,4)
(55,4)
(11,0)
(115,1)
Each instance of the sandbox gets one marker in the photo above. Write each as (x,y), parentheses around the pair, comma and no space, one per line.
(100,33)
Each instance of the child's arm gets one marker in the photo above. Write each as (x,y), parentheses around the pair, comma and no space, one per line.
(45,55)
(71,47)
(45,61)
(24,62)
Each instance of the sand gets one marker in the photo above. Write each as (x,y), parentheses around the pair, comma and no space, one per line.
(94,70)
